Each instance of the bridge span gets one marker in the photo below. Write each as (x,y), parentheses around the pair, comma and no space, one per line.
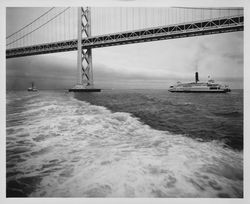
(67,29)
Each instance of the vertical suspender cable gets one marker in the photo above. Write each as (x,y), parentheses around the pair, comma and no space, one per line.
(51,31)
(22,40)
(18,40)
(94,20)
(132,10)
(179,11)
(126,17)
(169,15)
(69,23)
(29,38)
(113,21)
(73,23)
(158,16)
(120,19)
(161,16)
(64,25)
(55,29)
(105,21)
(59,28)
(176,15)
(47,27)
(100,21)
(48,32)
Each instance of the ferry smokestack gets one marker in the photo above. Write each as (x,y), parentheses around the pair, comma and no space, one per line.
(196,77)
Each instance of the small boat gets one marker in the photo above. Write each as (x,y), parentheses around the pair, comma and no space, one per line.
(32,88)
(199,87)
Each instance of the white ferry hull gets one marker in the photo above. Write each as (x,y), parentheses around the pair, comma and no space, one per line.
(200,91)
(199,87)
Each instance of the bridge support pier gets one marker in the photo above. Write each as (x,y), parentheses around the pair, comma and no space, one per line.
(85,81)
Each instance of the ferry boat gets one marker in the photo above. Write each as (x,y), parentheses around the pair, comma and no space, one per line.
(32,88)
(199,87)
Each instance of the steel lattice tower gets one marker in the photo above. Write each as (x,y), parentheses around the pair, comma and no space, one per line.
(84,58)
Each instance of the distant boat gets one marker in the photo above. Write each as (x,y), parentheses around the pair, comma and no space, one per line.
(199,87)
(32,88)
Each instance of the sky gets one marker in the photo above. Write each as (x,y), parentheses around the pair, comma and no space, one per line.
(153,65)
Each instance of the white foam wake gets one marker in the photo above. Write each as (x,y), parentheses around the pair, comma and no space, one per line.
(82,150)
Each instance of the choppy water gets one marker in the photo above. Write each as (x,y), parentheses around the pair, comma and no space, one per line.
(138,143)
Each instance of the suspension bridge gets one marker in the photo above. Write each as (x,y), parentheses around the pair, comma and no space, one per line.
(82,29)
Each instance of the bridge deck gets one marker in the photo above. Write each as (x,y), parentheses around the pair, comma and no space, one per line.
(213,26)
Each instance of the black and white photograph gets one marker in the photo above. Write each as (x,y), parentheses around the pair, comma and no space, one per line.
(128,99)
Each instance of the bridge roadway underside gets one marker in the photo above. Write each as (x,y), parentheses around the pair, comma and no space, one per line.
(208,27)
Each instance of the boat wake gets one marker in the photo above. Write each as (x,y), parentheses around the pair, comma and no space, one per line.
(70,148)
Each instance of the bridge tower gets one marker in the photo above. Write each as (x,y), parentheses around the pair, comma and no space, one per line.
(85,81)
